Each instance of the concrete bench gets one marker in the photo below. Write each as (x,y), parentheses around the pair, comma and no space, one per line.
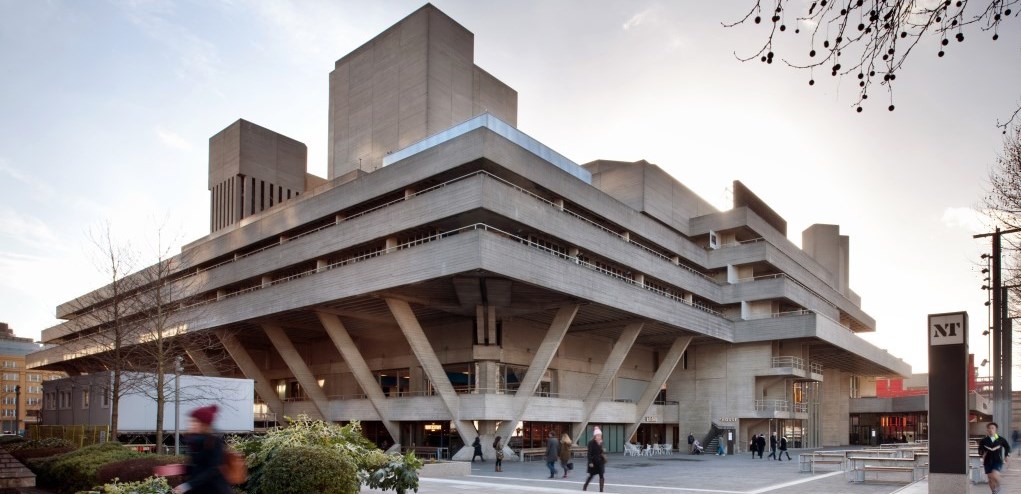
(910,470)
(859,466)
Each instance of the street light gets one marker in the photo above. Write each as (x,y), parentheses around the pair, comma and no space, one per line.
(178,369)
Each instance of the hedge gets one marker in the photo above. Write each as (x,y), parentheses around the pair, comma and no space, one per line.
(138,469)
(305,469)
(75,471)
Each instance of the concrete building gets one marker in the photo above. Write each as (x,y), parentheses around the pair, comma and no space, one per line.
(21,389)
(454,277)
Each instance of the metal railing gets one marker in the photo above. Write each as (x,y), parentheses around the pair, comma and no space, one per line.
(788,361)
(780,406)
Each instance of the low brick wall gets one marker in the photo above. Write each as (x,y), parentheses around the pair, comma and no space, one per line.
(13,473)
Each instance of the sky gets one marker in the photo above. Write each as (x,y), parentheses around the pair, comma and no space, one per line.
(106,108)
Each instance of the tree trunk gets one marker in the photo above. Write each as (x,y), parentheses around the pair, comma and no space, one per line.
(160,400)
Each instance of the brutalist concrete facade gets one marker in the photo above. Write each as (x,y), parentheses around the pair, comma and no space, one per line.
(477,279)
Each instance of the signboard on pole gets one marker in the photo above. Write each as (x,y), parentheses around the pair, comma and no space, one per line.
(948,403)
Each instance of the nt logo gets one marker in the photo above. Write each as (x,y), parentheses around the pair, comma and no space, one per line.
(945,330)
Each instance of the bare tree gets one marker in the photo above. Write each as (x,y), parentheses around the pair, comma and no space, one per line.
(871,40)
(1003,206)
(102,318)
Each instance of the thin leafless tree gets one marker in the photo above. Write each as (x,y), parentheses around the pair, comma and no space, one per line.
(871,39)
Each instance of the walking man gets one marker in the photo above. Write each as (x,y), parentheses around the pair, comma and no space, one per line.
(552,454)
(760,444)
(477,445)
(994,451)
(772,446)
(783,449)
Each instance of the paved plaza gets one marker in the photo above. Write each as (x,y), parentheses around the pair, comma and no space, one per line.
(681,474)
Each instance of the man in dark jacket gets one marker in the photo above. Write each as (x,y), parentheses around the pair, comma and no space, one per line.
(552,454)
(760,444)
(994,451)
(691,440)
(772,446)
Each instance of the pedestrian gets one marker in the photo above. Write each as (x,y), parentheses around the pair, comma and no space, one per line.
(783,449)
(477,444)
(691,440)
(772,446)
(565,453)
(596,459)
(719,448)
(205,456)
(760,444)
(752,445)
(498,447)
(552,454)
(994,451)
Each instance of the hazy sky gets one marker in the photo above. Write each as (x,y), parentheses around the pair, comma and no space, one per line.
(106,109)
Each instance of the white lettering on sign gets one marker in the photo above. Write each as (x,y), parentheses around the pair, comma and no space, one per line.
(947,329)
(651,418)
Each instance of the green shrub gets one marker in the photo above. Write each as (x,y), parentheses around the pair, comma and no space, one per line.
(374,468)
(305,469)
(25,454)
(7,442)
(75,471)
(49,442)
(151,485)
(137,469)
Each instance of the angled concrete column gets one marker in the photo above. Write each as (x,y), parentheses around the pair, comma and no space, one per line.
(298,367)
(540,362)
(252,371)
(201,360)
(362,374)
(431,365)
(666,367)
(608,372)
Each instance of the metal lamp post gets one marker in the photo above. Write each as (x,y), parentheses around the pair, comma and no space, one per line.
(177,403)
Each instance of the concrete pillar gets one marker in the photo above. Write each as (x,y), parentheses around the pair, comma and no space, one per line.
(339,218)
(267,281)
(670,360)
(360,369)
(540,362)
(252,371)
(559,204)
(431,366)
(480,324)
(299,368)
(490,325)
(391,244)
(640,279)
(417,378)
(201,360)
(488,379)
(221,294)
(607,373)
(409,193)
(321,265)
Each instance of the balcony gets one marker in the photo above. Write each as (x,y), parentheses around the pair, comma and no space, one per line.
(791,366)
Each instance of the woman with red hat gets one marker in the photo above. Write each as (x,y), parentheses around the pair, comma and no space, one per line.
(205,456)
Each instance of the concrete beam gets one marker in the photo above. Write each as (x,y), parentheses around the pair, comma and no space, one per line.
(250,370)
(430,364)
(609,371)
(540,362)
(666,367)
(298,367)
(201,360)
(362,374)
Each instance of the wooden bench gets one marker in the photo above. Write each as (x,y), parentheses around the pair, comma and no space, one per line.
(579,452)
(807,461)
(528,454)
(859,466)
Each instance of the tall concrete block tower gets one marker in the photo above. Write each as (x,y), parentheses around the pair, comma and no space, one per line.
(415,79)
(252,169)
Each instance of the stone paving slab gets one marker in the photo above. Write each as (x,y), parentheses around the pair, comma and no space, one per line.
(680,474)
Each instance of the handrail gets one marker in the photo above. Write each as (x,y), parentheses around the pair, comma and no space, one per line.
(738,243)
(282,239)
(788,361)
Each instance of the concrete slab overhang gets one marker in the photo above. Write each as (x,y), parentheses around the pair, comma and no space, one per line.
(833,345)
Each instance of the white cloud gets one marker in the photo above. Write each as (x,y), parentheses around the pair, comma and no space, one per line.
(635,20)
(965,218)
(40,187)
(26,229)
(173,140)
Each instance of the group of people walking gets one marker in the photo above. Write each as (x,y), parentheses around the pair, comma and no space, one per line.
(558,451)
(757,444)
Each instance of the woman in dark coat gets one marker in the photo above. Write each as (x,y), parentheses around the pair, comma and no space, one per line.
(205,456)
(596,459)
